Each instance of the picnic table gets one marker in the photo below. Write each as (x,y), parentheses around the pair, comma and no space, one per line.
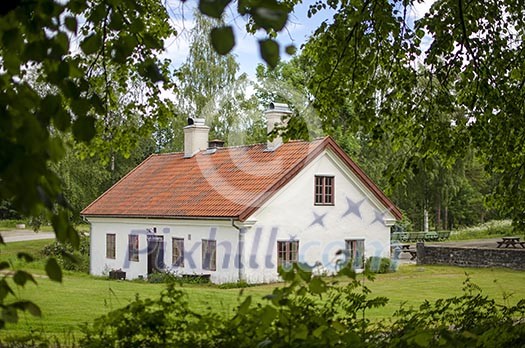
(405,248)
(510,242)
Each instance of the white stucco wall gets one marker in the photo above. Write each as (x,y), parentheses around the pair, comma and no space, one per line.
(288,215)
(193,232)
(320,230)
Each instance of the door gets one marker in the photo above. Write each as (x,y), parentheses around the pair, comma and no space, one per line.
(155,254)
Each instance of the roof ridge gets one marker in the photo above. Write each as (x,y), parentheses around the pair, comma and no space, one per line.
(244,146)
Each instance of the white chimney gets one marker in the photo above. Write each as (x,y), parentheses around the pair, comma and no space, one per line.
(274,117)
(195,137)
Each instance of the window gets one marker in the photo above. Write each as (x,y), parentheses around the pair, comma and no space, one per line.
(287,253)
(178,252)
(110,246)
(209,255)
(356,252)
(133,247)
(324,190)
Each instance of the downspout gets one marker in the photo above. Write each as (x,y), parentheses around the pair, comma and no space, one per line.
(240,260)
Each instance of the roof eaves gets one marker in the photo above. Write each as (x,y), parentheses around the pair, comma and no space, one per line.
(163,217)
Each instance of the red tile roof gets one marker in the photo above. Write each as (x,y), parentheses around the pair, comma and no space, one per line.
(233,182)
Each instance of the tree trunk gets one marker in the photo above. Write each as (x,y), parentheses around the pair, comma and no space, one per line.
(438,217)
(425,220)
(445,218)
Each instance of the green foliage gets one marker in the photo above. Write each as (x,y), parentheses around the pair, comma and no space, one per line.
(236,285)
(36,340)
(209,87)
(379,265)
(7,212)
(222,39)
(469,320)
(67,257)
(51,94)
(311,311)
(431,110)
(491,229)
(270,15)
(169,277)
(167,321)
(307,311)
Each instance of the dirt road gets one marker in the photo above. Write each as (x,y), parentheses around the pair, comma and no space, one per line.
(25,235)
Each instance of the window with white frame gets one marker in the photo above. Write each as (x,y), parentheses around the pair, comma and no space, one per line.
(324,190)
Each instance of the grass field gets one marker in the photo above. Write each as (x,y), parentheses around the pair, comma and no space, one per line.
(82,298)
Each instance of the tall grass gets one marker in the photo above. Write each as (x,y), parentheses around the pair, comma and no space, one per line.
(490,229)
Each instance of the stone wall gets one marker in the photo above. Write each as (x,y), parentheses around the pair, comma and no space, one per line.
(470,257)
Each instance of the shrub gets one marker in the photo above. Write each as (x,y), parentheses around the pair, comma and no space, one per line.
(308,312)
(469,320)
(379,265)
(68,258)
(165,322)
(162,277)
(311,311)
(170,277)
(235,285)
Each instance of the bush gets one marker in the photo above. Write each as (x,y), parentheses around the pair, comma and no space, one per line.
(235,285)
(68,258)
(308,311)
(170,277)
(379,265)
(165,322)
(311,311)
(162,277)
(469,320)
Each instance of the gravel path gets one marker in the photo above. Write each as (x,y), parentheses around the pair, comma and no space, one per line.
(25,235)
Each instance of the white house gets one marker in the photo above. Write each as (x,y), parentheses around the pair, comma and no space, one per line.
(237,213)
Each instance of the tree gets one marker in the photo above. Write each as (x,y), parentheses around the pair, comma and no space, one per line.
(364,60)
(210,87)
(88,53)
(371,56)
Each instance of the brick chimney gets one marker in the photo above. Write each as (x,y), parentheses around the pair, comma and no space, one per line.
(274,117)
(195,137)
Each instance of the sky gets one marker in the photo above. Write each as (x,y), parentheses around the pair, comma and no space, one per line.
(246,49)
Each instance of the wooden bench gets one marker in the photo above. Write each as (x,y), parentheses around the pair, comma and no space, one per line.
(399,236)
(442,235)
(431,236)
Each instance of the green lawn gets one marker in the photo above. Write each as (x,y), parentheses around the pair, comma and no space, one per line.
(81,298)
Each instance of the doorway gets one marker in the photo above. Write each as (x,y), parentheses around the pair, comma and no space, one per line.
(155,254)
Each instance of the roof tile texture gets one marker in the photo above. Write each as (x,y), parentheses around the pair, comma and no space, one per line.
(230,183)
(220,184)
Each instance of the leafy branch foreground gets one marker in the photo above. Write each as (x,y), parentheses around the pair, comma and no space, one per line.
(311,312)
